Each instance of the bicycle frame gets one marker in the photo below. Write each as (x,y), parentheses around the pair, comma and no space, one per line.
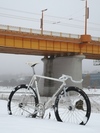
(34,81)
(62,79)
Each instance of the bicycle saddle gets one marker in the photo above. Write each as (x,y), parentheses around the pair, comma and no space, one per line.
(31,64)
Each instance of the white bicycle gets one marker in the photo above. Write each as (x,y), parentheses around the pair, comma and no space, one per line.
(70,104)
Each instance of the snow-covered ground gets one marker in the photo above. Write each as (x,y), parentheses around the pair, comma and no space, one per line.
(15,124)
(92,91)
(94,96)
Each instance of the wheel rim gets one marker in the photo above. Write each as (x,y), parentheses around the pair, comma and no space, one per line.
(22,101)
(75,109)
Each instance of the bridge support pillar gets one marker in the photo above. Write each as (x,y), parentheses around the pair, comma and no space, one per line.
(55,67)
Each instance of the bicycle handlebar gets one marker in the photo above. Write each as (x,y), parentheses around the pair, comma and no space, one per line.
(65,77)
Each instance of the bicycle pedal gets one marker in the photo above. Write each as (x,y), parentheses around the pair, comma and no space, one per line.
(32,115)
(29,116)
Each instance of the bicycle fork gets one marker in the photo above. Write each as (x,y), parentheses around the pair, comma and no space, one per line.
(67,96)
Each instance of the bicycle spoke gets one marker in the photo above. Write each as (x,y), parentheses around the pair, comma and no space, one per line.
(22,101)
(72,107)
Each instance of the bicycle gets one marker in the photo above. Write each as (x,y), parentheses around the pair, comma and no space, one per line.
(70,104)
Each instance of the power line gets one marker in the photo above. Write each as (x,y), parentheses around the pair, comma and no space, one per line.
(36,13)
(68,18)
(48,21)
(18,11)
(18,17)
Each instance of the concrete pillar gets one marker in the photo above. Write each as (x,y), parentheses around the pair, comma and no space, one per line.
(55,67)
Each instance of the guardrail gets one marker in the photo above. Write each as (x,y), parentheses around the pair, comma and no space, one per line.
(35,31)
(29,30)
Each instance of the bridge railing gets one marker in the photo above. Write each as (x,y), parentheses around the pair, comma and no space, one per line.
(35,31)
(29,30)
(96,38)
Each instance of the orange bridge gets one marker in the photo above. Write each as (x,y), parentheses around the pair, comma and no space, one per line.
(19,40)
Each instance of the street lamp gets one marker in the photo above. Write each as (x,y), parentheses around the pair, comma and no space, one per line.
(86,15)
(41,26)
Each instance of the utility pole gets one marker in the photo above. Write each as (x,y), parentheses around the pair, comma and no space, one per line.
(86,16)
(41,22)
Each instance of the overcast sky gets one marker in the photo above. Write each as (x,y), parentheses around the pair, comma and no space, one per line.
(62,16)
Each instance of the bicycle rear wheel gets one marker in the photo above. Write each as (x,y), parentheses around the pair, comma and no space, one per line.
(73,106)
(22,101)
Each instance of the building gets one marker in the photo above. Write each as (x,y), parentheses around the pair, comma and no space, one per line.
(92,80)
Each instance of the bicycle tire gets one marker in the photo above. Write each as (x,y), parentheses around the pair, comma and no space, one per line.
(73,108)
(22,101)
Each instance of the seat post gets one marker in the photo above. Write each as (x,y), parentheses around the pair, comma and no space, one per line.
(32,66)
(33,70)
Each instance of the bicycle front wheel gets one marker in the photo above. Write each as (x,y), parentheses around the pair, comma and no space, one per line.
(22,101)
(72,105)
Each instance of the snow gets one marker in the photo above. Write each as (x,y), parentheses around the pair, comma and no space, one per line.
(15,124)
(18,124)
(92,91)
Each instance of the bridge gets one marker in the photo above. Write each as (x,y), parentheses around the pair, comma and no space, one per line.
(63,53)
(19,40)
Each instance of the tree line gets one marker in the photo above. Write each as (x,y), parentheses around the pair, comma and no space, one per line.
(14,81)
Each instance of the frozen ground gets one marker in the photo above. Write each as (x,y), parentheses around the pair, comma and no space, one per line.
(15,124)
